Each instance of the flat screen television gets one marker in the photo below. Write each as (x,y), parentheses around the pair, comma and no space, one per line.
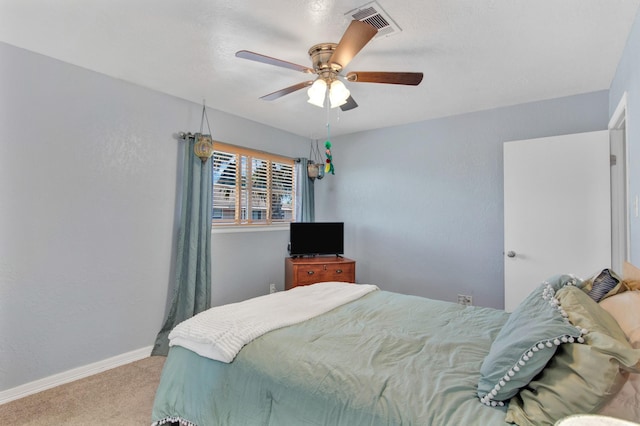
(316,238)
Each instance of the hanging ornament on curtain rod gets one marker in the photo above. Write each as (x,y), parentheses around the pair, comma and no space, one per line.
(204,144)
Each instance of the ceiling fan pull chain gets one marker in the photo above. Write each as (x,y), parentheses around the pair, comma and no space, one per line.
(327,103)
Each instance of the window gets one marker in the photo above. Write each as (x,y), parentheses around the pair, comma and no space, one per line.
(251,187)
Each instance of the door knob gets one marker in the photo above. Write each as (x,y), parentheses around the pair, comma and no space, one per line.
(511,253)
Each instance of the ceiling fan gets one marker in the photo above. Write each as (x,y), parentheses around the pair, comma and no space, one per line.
(329,60)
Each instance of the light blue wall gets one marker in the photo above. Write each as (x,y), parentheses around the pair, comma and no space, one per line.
(88,172)
(627,79)
(422,203)
(233,279)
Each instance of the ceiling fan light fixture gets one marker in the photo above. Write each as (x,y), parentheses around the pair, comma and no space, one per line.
(317,93)
(338,94)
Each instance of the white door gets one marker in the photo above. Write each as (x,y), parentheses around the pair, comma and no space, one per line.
(557,210)
(619,195)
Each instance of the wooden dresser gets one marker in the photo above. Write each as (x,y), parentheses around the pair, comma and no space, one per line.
(311,270)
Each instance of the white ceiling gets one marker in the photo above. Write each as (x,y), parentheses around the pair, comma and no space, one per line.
(475,54)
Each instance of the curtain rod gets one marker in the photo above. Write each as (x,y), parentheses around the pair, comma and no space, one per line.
(184,136)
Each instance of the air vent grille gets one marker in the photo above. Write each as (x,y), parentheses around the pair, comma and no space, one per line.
(374,15)
(364,13)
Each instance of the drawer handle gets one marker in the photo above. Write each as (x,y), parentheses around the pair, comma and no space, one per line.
(310,272)
(338,271)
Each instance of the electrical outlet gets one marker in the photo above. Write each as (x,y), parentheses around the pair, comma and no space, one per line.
(272,288)
(465,299)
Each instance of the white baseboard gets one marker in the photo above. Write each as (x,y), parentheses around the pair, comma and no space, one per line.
(74,374)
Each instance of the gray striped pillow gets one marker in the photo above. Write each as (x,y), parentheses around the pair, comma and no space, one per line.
(603,284)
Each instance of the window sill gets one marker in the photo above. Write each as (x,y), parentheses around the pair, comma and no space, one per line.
(249,228)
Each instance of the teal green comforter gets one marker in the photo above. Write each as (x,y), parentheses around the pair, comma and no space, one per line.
(385,359)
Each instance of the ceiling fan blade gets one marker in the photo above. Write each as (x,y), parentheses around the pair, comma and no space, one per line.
(357,35)
(280,93)
(350,104)
(252,56)
(406,78)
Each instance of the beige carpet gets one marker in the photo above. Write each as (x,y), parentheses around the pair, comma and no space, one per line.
(122,396)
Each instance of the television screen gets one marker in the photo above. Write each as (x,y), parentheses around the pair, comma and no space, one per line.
(311,238)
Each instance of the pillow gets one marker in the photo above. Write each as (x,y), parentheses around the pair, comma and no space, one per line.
(603,284)
(625,308)
(526,342)
(579,378)
(631,276)
(626,403)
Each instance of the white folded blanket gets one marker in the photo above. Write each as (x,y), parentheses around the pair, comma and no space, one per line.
(220,332)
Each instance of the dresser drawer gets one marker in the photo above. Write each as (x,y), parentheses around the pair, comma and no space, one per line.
(305,271)
(310,274)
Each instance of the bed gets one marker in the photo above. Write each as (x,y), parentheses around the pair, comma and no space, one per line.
(384,358)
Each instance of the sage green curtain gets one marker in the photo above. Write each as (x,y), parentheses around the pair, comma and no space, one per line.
(192,292)
(305,198)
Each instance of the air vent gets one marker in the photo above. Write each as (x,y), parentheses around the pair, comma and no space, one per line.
(374,15)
